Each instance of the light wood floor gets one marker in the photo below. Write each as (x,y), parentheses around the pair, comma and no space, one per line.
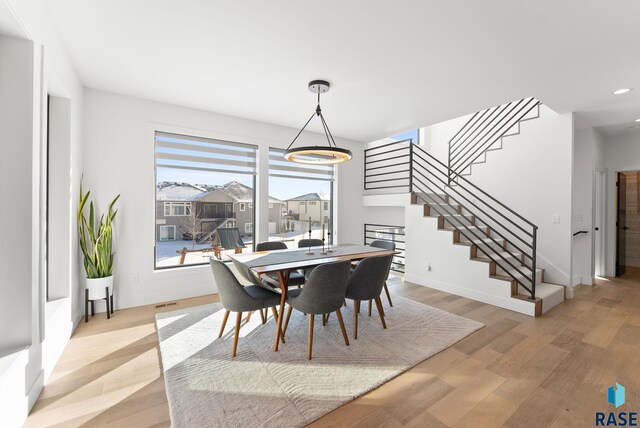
(517,371)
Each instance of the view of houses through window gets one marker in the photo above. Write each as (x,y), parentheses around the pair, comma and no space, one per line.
(304,192)
(205,200)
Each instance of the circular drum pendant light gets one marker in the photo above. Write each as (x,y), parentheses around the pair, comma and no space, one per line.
(318,155)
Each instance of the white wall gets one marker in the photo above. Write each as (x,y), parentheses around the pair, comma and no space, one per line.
(119,158)
(532,175)
(587,156)
(50,324)
(621,153)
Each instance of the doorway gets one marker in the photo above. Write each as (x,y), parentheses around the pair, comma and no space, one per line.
(628,222)
(598,224)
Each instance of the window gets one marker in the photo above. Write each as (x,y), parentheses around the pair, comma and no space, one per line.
(413,135)
(196,178)
(250,205)
(325,206)
(176,209)
(167,233)
(295,185)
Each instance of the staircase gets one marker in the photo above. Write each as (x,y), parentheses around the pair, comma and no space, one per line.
(496,235)
(485,246)
(486,130)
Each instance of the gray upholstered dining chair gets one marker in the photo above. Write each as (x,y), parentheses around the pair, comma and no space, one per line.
(309,242)
(366,283)
(323,293)
(387,245)
(236,298)
(305,243)
(295,278)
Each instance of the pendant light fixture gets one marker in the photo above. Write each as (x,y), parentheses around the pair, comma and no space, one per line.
(318,155)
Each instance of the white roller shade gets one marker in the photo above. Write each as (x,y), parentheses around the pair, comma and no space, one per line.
(204,154)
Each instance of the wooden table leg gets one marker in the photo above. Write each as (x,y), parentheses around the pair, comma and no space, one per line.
(283,280)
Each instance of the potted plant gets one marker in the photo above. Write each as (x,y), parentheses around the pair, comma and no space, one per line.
(96,242)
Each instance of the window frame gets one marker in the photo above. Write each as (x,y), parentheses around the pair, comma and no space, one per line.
(242,206)
(174,204)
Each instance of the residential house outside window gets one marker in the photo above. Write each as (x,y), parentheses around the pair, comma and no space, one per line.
(303,192)
(204,194)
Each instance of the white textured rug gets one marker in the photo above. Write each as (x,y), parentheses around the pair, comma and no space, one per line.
(259,387)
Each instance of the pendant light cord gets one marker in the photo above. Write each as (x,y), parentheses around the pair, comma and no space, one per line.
(318,111)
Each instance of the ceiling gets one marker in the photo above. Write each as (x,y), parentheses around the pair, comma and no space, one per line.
(393,66)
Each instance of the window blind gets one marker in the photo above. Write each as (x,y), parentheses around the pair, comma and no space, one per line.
(279,167)
(204,154)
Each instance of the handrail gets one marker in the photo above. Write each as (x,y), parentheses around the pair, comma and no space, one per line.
(440,186)
(483,130)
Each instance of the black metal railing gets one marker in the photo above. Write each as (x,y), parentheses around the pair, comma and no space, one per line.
(385,232)
(483,130)
(496,230)
(388,166)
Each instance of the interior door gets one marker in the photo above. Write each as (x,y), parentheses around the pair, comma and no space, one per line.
(621,224)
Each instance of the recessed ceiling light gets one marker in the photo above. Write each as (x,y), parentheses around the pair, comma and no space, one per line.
(622,91)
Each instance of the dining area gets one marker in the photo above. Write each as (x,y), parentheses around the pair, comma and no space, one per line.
(294,333)
(314,279)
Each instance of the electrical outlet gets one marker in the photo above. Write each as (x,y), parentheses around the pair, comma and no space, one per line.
(555,219)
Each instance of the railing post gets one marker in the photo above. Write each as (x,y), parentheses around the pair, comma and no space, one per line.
(449,165)
(410,166)
(533,263)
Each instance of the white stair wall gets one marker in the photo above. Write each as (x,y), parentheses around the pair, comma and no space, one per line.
(451,269)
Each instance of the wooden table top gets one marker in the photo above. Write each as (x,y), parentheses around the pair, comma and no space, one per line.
(342,252)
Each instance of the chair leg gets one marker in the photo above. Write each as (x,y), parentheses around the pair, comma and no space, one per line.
(324,319)
(327,320)
(275,318)
(286,320)
(356,311)
(370,304)
(344,330)
(345,303)
(248,316)
(263,316)
(224,323)
(380,311)
(236,334)
(310,344)
(386,290)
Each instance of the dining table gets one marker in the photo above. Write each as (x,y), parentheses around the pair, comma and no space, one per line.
(266,264)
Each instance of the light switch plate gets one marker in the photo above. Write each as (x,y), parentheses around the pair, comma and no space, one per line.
(555,219)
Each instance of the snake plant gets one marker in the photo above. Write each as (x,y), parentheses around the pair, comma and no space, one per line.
(96,239)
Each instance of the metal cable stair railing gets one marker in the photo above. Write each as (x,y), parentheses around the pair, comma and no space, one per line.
(484,129)
(409,166)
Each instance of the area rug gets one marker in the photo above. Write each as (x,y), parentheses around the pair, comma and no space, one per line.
(259,387)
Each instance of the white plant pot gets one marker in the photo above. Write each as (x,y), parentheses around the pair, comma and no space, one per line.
(97,287)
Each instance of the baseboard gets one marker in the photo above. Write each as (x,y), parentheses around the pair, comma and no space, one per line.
(516,305)
(35,390)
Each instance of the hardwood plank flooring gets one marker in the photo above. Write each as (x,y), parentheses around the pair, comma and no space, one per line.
(518,371)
